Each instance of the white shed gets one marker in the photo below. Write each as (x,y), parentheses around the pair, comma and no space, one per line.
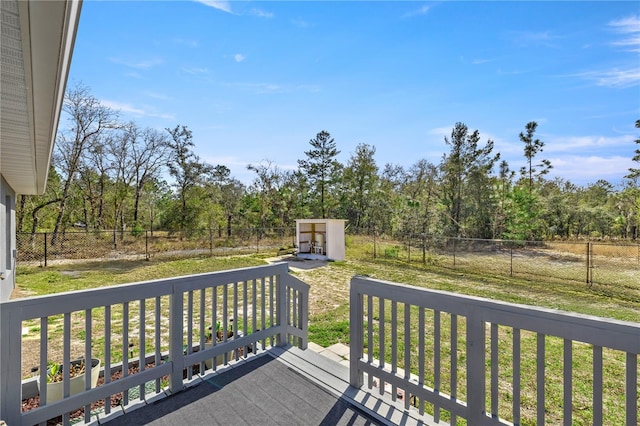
(320,238)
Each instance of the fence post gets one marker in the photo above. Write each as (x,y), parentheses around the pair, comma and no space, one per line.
(511,255)
(455,244)
(589,260)
(424,249)
(375,252)
(146,245)
(211,241)
(45,249)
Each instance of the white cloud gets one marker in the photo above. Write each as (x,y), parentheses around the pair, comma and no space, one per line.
(500,71)
(134,74)
(299,22)
(123,107)
(534,38)
(195,71)
(261,13)
(417,12)
(480,61)
(616,78)
(239,57)
(626,75)
(134,111)
(630,27)
(629,24)
(585,143)
(273,88)
(225,6)
(144,64)
(476,61)
(442,131)
(185,42)
(156,95)
(588,169)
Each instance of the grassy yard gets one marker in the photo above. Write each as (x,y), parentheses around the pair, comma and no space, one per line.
(329,310)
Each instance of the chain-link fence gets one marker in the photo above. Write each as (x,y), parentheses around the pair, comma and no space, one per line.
(590,262)
(44,248)
(610,265)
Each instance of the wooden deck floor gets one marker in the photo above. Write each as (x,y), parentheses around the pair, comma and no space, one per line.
(277,387)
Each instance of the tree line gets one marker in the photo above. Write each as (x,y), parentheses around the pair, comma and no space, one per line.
(111,175)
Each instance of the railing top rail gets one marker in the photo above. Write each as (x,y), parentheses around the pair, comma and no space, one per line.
(605,332)
(41,306)
(297,284)
(280,329)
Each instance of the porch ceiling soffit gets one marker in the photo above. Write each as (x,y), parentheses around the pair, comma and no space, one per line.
(36,49)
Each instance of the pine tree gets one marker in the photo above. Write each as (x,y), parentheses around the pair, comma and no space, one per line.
(321,167)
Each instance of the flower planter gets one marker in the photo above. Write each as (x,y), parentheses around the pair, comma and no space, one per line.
(76,384)
(220,358)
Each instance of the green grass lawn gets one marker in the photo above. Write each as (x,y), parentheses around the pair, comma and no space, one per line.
(35,281)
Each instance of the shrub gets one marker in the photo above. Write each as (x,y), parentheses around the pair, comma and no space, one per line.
(392,252)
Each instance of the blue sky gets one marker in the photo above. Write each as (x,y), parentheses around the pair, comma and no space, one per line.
(256,80)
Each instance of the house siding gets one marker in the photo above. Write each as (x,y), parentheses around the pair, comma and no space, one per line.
(7,240)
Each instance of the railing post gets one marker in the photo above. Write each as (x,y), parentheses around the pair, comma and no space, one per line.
(356,338)
(476,368)
(10,367)
(631,389)
(282,308)
(303,317)
(176,350)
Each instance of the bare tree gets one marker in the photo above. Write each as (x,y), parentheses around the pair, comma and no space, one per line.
(149,154)
(265,185)
(88,120)
(120,154)
(94,175)
(186,169)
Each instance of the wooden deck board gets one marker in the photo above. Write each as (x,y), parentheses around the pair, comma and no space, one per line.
(261,390)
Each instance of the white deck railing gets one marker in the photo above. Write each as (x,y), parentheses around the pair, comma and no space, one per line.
(163,321)
(506,363)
